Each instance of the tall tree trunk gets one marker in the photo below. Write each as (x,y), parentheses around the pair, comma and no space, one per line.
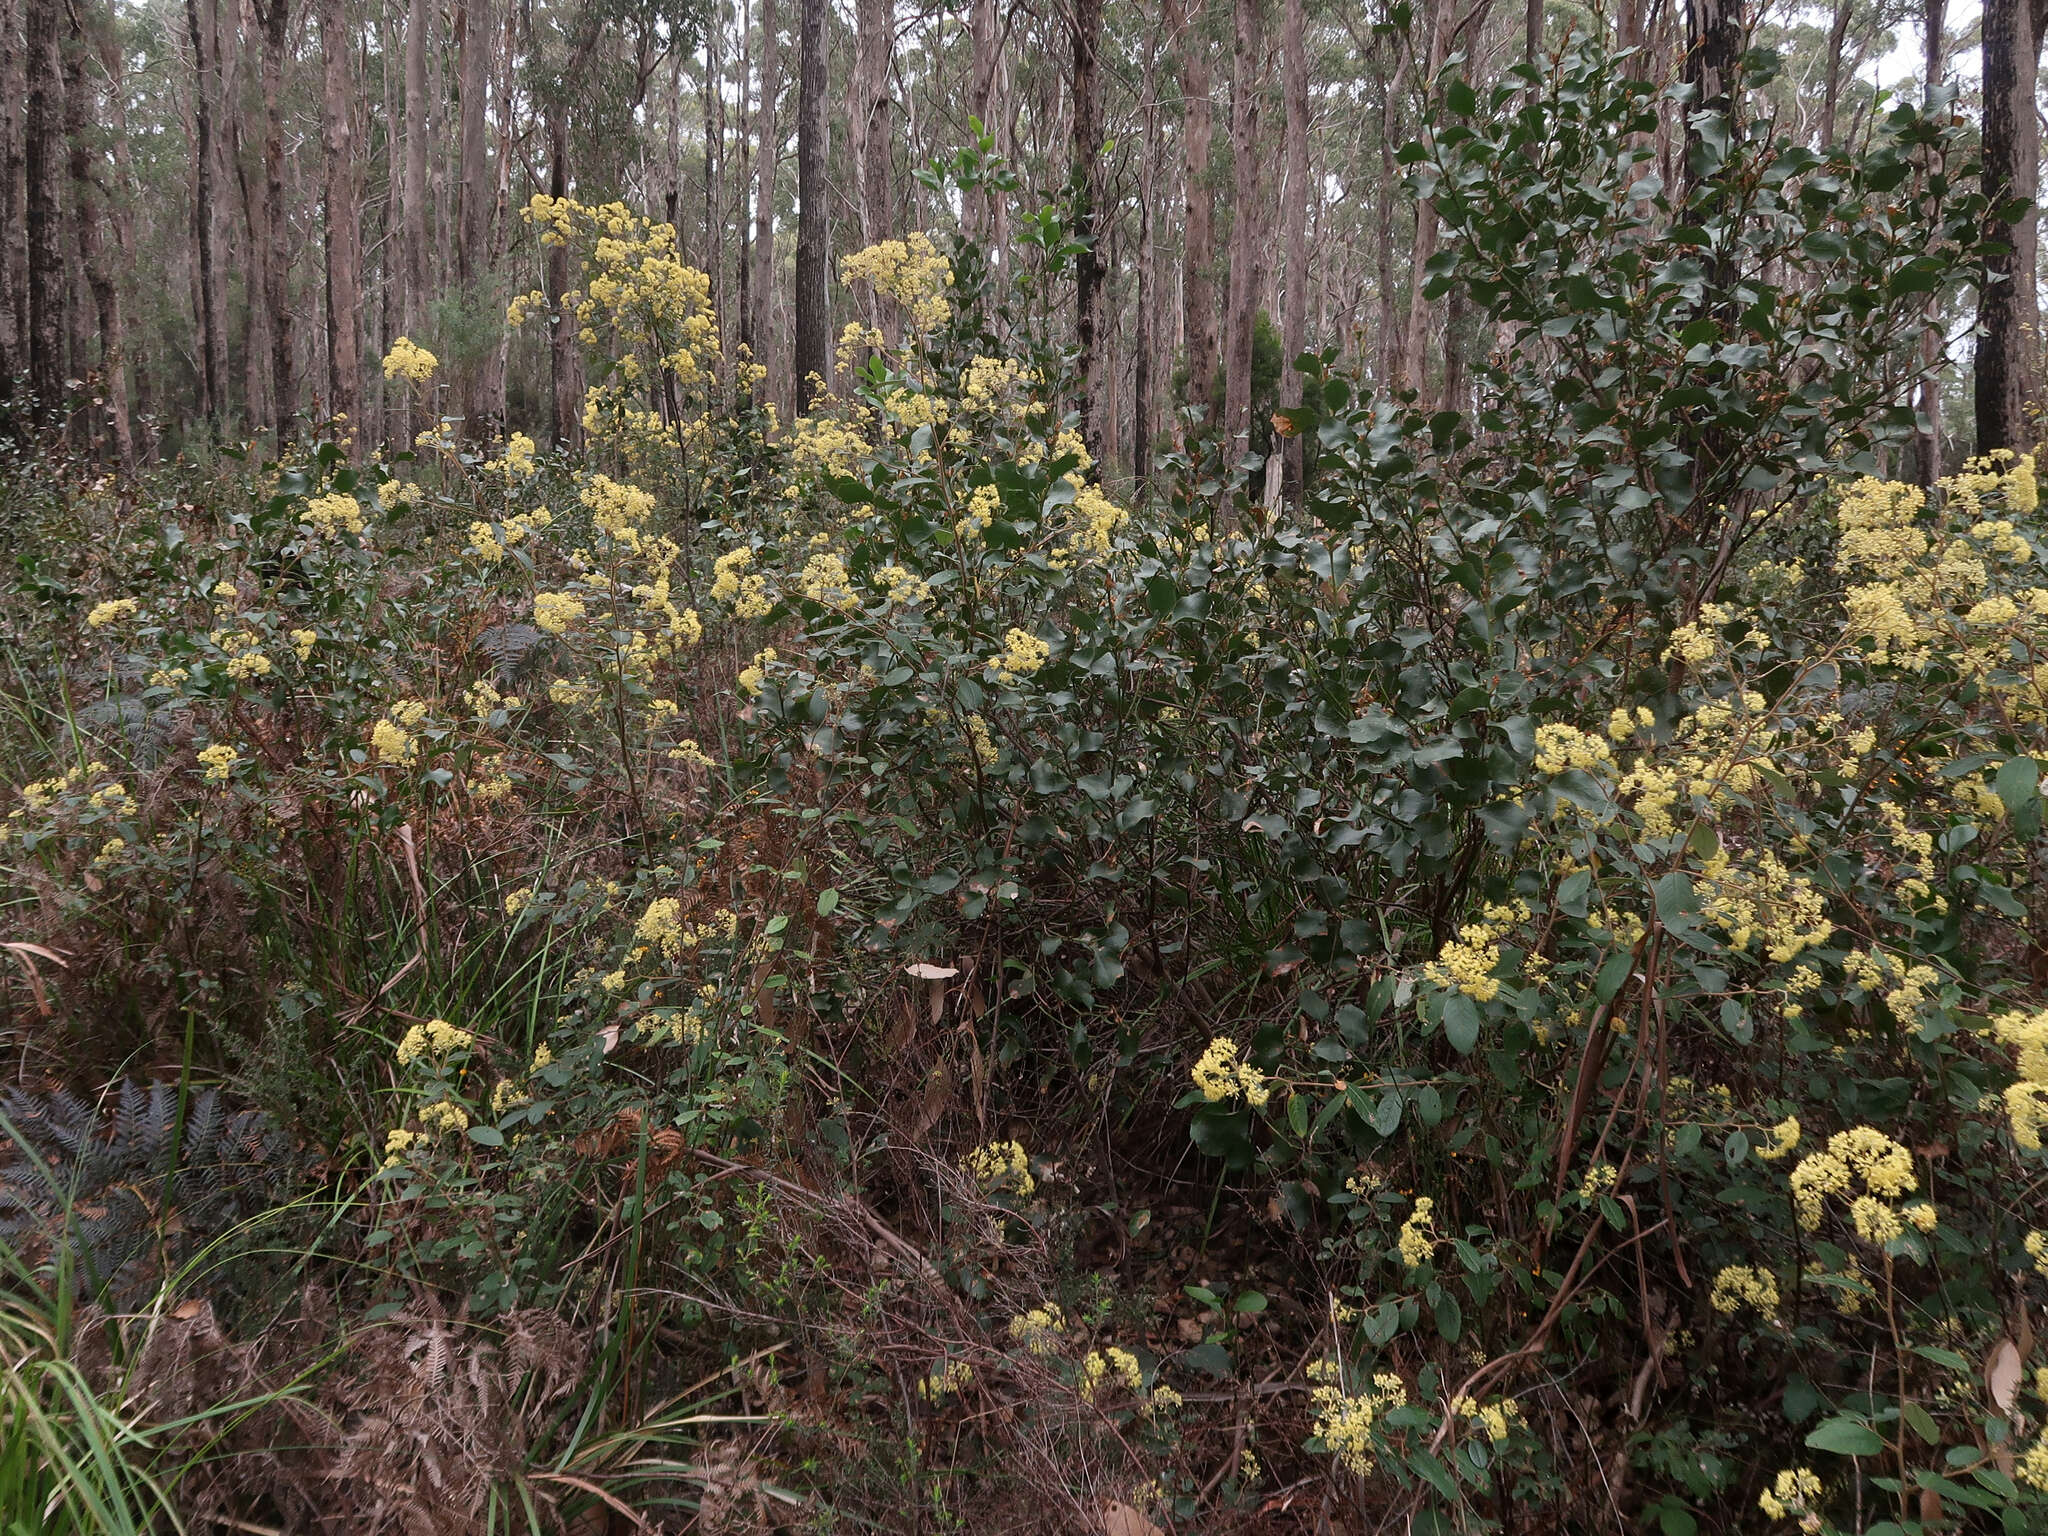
(81,420)
(1084,186)
(564,376)
(284,389)
(987,43)
(478,193)
(13,253)
(212,348)
(1928,457)
(2006,388)
(414,196)
(89,196)
(1245,222)
(813,356)
(43,137)
(1294,318)
(344,232)
(1148,292)
(873,53)
(1393,359)
(1831,94)
(1415,346)
(764,198)
(1198,292)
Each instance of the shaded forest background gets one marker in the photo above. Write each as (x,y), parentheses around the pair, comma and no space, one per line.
(219,214)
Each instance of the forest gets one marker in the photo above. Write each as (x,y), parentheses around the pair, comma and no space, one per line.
(1142,768)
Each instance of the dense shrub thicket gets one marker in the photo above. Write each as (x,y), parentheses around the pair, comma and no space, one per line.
(850,973)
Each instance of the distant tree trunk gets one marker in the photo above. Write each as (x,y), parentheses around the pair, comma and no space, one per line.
(212,348)
(13,172)
(1714,35)
(88,198)
(414,199)
(1294,318)
(1084,178)
(987,41)
(2006,389)
(1246,219)
(344,233)
(564,377)
(1393,361)
(1198,293)
(813,358)
(1147,294)
(1831,95)
(764,197)
(874,46)
(1415,347)
(478,194)
(1928,458)
(43,162)
(284,389)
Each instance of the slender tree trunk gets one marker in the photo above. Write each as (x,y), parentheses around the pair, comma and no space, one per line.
(1198,293)
(813,356)
(13,172)
(344,231)
(2006,389)
(987,43)
(1084,186)
(414,197)
(1147,295)
(81,421)
(1393,359)
(1831,95)
(564,377)
(43,163)
(874,49)
(478,193)
(1294,318)
(1928,458)
(284,389)
(1245,222)
(764,199)
(212,352)
(1415,348)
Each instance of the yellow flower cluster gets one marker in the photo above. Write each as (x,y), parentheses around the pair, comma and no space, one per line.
(755,673)
(824,581)
(981,742)
(1095,521)
(1784,1137)
(902,586)
(444,1118)
(328,516)
(987,382)
(1561,748)
(1791,1492)
(1222,1076)
(1039,1329)
(616,509)
(945,1380)
(1467,962)
(1418,1234)
(911,272)
(110,612)
(826,443)
(1001,1164)
(1496,1420)
(1344,1421)
(219,761)
(983,503)
(1862,1152)
(436,1037)
(1023,655)
(410,361)
(1107,1366)
(303,641)
(397,1144)
(1740,1286)
(2026,1100)
(557,612)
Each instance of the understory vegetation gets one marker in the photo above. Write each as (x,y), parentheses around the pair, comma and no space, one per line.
(849,974)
